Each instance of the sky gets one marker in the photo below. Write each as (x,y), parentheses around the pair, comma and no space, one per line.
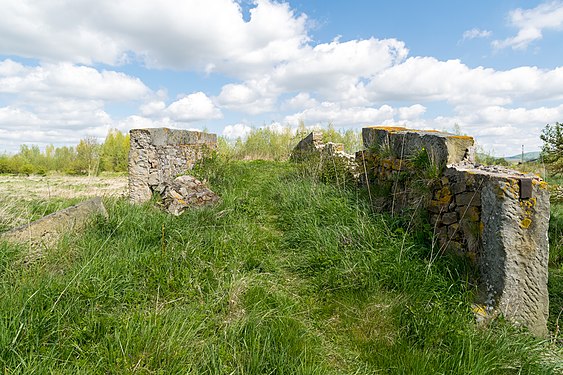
(71,69)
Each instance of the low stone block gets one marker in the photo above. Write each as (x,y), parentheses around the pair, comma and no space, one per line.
(45,232)
(443,148)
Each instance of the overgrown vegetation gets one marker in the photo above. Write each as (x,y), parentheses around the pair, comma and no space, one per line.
(552,151)
(287,275)
(269,143)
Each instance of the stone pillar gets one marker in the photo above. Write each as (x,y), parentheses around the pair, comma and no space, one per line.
(514,260)
(157,155)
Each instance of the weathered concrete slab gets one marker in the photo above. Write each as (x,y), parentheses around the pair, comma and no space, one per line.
(158,155)
(443,148)
(45,232)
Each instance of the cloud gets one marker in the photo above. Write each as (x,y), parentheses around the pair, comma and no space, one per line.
(303,100)
(188,34)
(252,97)
(328,112)
(153,108)
(476,33)
(70,81)
(426,79)
(531,23)
(334,70)
(193,107)
(236,131)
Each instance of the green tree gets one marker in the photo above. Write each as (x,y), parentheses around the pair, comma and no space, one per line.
(64,158)
(552,151)
(87,157)
(114,151)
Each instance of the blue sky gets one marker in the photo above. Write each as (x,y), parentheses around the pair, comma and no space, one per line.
(71,69)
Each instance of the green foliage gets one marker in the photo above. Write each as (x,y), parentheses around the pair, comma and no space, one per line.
(269,143)
(114,152)
(285,275)
(552,151)
(488,159)
(88,157)
(556,235)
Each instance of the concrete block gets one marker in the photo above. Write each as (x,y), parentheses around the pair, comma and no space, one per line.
(443,148)
(45,232)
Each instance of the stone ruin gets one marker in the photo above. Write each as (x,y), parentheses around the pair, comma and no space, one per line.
(313,148)
(157,159)
(495,216)
(313,145)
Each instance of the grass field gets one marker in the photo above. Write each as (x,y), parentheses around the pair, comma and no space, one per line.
(285,276)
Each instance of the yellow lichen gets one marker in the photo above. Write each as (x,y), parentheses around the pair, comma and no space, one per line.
(464,137)
(443,196)
(526,222)
(390,129)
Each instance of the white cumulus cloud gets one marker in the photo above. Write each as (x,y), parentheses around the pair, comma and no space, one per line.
(193,107)
(236,131)
(531,23)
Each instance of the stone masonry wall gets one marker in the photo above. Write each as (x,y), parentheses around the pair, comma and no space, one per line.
(158,155)
(496,217)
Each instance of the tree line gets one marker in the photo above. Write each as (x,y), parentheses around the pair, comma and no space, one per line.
(89,157)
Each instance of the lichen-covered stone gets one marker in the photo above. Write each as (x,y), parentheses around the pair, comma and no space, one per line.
(514,261)
(495,216)
(443,148)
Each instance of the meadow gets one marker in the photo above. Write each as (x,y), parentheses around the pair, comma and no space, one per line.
(287,275)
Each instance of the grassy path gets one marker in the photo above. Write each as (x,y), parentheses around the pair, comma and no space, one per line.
(284,276)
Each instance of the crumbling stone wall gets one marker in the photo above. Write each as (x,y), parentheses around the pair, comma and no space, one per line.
(158,155)
(331,159)
(495,216)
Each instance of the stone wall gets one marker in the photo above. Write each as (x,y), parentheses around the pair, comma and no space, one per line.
(330,158)
(495,216)
(158,155)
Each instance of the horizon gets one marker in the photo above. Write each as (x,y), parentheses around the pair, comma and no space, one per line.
(70,70)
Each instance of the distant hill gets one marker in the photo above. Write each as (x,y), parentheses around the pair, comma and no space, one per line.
(528,156)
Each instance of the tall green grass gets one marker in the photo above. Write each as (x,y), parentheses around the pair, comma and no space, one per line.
(285,276)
